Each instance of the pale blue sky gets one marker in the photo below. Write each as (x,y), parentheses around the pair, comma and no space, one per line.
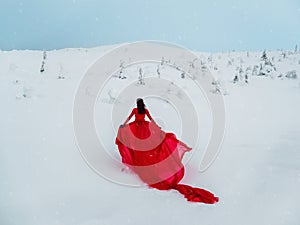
(196,24)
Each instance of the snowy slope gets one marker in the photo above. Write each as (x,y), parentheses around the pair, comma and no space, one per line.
(44,179)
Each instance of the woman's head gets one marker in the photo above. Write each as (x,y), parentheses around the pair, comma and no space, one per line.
(140,106)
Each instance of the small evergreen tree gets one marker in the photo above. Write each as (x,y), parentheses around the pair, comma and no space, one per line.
(158,71)
(141,77)
(162,61)
(241,71)
(43,62)
(264,56)
(183,75)
(255,70)
(121,72)
(235,79)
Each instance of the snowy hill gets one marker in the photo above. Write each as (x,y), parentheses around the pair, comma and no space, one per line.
(44,179)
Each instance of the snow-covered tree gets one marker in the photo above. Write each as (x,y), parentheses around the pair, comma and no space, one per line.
(236,78)
(264,56)
(247,74)
(210,61)
(158,71)
(162,62)
(43,62)
(267,68)
(141,80)
(203,65)
(241,73)
(219,87)
(291,74)
(183,75)
(121,72)
(255,70)
(60,75)
(283,54)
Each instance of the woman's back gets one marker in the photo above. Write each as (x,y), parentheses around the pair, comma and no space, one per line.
(138,116)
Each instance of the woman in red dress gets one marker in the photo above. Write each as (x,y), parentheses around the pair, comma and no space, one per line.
(156,156)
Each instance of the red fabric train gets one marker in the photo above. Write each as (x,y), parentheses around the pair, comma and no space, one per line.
(156,157)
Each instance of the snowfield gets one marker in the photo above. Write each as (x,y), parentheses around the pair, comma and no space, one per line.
(45,181)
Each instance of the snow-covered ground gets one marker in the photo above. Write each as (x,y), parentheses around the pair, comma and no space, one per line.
(45,181)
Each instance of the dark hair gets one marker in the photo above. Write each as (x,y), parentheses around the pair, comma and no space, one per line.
(140,106)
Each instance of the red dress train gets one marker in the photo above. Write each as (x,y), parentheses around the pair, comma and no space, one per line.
(155,156)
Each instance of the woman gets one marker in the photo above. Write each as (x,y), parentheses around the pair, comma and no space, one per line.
(155,156)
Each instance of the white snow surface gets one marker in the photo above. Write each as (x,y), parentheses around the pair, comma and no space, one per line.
(45,181)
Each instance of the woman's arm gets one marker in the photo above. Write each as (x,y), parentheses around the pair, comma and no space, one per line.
(129,117)
(149,116)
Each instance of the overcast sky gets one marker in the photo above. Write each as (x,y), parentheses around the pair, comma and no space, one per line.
(219,25)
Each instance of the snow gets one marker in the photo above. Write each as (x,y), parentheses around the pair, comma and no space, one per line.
(44,179)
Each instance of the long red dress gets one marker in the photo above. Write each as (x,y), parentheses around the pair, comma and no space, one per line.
(156,157)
